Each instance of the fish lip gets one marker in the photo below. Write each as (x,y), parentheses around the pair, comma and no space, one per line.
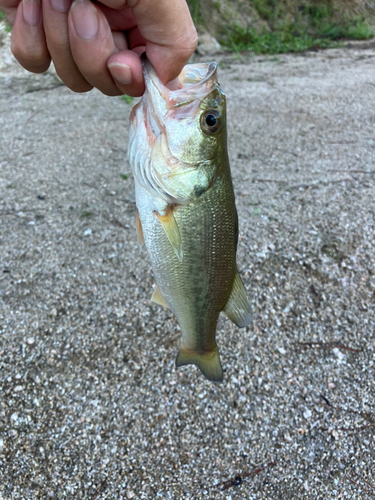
(211,72)
(210,75)
(196,81)
(150,76)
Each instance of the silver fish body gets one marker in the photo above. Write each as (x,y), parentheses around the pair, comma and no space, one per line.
(186,208)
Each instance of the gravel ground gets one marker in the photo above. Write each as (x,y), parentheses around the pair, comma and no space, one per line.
(91,405)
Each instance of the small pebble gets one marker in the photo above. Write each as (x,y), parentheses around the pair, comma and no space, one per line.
(307,413)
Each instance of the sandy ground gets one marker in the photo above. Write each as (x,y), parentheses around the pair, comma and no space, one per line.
(91,405)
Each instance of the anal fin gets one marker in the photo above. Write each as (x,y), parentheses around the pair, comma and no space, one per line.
(169,224)
(238,308)
(158,298)
(138,227)
(208,363)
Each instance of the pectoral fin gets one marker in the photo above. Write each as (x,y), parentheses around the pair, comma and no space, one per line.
(238,308)
(138,227)
(158,298)
(208,363)
(170,227)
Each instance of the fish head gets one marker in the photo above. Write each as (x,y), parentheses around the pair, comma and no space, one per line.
(183,126)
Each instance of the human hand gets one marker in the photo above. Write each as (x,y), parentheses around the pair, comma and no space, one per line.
(99,45)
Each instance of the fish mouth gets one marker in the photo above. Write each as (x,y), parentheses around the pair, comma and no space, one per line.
(181,97)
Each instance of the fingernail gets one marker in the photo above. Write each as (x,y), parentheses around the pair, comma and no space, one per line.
(61,5)
(32,12)
(85,19)
(121,72)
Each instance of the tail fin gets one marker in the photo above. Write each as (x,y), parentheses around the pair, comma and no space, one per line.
(208,363)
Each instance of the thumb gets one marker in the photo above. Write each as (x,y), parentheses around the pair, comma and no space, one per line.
(170,35)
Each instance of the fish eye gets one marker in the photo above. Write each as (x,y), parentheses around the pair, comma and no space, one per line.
(211,121)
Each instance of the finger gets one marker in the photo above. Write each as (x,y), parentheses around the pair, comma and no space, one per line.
(126,67)
(10,9)
(55,20)
(28,42)
(126,70)
(10,14)
(170,33)
(92,44)
(120,40)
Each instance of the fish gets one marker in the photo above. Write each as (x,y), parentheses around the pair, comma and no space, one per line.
(186,213)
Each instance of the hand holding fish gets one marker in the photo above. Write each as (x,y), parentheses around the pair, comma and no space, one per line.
(99,45)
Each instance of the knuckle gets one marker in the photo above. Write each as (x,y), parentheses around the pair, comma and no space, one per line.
(71,77)
(188,42)
(41,68)
(36,61)
(111,92)
(80,87)
(16,49)
(193,41)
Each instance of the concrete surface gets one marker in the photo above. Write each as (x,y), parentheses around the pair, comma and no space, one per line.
(91,405)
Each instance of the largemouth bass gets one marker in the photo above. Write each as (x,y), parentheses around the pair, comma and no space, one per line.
(186,213)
